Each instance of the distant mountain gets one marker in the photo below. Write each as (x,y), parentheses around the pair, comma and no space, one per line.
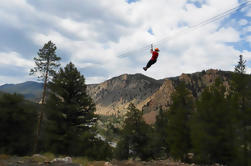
(148,94)
(117,93)
(31,90)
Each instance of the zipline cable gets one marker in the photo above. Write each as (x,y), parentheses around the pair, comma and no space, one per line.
(208,21)
(211,20)
(194,27)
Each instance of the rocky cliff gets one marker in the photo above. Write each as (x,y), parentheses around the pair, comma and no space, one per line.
(195,82)
(114,95)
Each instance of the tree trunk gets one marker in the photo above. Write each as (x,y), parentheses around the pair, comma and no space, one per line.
(41,114)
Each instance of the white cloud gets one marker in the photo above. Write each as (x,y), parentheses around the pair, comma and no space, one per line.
(13,58)
(14,64)
(15,80)
(84,30)
(248,70)
(94,34)
(243,22)
(248,39)
(200,1)
(91,80)
(247,29)
(248,12)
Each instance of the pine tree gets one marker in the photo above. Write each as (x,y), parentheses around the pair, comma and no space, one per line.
(241,67)
(178,128)
(241,92)
(135,138)
(161,133)
(71,118)
(16,124)
(45,65)
(213,128)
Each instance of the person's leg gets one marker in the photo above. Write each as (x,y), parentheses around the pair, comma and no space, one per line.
(149,64)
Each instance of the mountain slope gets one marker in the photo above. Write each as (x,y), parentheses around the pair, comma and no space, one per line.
(30,89)
(115,94)
(195,82)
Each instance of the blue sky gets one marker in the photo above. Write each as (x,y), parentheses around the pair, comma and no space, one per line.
(105,40)
(132,1)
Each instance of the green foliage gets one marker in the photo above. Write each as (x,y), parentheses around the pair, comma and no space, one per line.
(71,119)
(98,150)
(45,65)
(135,139)
(68,96)
(213,127)
(46,62)
(216,129)
(161,133)
(241,97)
(122,150)
(110,126)
(17,121)
(178,128)
(241,67)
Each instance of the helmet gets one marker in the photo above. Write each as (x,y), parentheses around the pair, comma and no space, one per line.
(156,49)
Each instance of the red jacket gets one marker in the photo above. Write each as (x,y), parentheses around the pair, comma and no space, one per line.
(155,55)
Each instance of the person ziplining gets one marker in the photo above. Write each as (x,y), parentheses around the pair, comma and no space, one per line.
(154,58)
(215,18)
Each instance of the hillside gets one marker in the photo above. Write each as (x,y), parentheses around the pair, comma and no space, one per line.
(115,94)
(31,90)
(195,82)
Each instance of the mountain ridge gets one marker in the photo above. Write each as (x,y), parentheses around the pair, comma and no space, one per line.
(116,93)
(31,90)
(148,94)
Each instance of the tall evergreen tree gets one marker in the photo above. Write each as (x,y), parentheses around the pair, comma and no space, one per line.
(71,118)
(45,65)
(134,141)
(179,122)
(212,127)
(241,67)
(241,92)
(16,125)
(161,133)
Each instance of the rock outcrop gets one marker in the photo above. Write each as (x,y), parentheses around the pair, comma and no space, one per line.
(113,96)
(117,93)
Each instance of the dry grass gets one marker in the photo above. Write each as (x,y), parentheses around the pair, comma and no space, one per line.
(4,156)
(38,159)
(96,163)
(80,160)
(49,156)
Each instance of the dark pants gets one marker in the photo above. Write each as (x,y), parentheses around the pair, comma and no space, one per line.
(150,63)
